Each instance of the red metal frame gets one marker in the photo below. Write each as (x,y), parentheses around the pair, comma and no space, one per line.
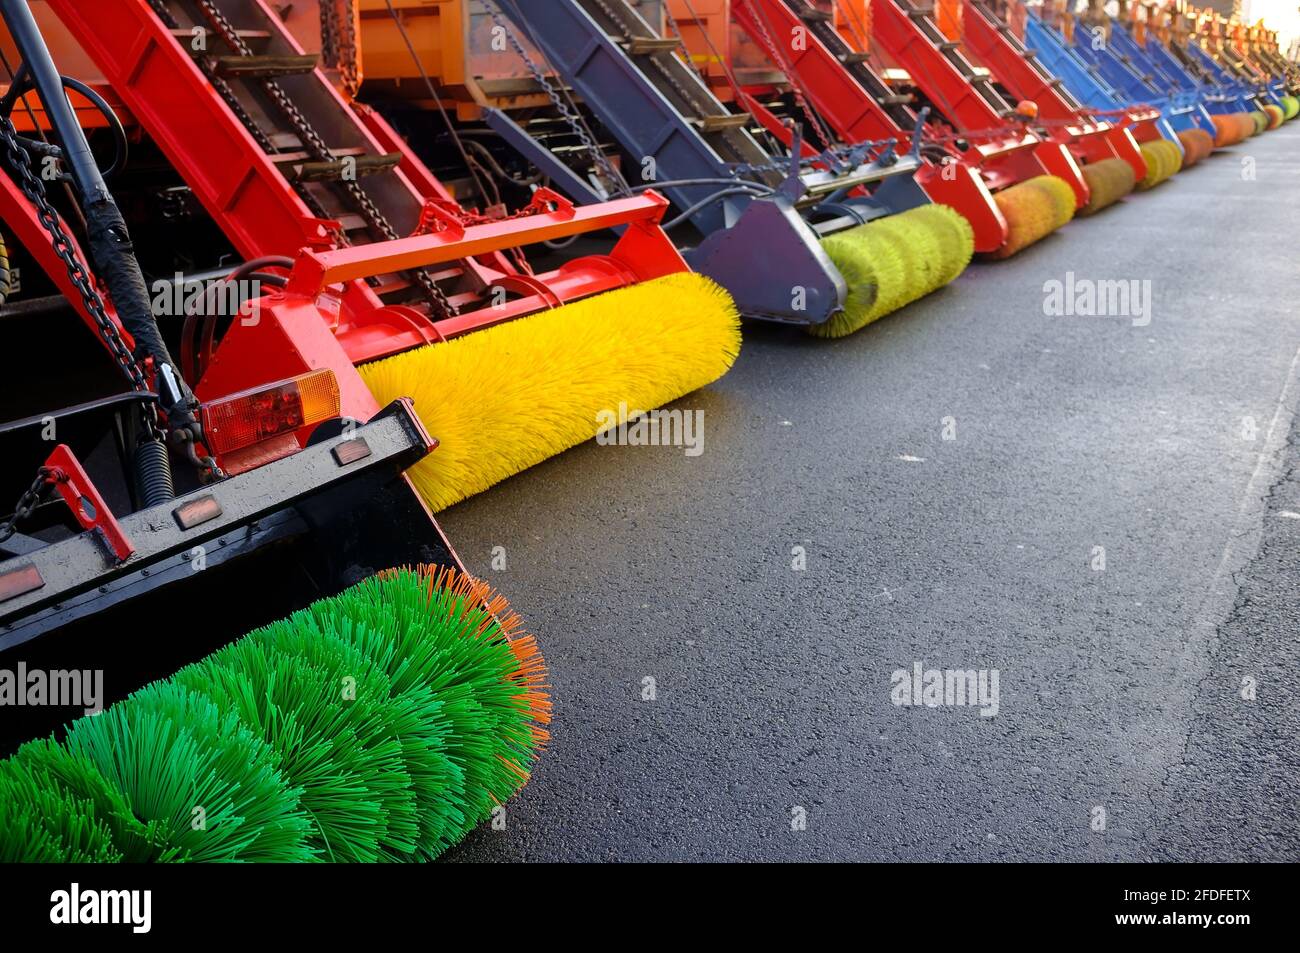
(1088,138)
(902,39)
(20,218)
(305,326)
(340,321)
(71,482)
(960,181)
(173,101)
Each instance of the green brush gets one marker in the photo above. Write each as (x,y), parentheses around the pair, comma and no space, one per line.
(873,273)
(458,651)
(893,261)
(80,778)
(210,788)
(955,236)
(331,736)
(42,822)
(380,724)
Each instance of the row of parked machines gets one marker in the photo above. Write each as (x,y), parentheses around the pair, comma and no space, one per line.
(280,281)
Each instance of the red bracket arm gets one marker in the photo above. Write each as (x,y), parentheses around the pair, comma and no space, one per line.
(71,481)
(315,270)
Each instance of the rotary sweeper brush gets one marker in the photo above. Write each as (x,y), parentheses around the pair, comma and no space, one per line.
(364,245)
(1141,36)
(1248,85)
(212,517)
(600,100)
(445,723)
(1143,79)
(1035,186)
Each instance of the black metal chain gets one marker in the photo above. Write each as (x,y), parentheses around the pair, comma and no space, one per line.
(329,32)
(34,189)
(217,80)
(316,144)
(26,504)
(614,179)
(676,31)
(227,93)
(686,97)
(339,42)
(815,122)
(313,142)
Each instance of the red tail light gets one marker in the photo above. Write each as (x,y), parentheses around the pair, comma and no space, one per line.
(261,413)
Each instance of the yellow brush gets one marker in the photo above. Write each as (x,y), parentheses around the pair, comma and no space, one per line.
(1164,158)
(893,261)
(508,397)
(1033,209)
(1108,181)
(955,236)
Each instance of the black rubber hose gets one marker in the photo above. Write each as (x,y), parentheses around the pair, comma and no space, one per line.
(121,144)
(114,259)
(257,264)
(111,253)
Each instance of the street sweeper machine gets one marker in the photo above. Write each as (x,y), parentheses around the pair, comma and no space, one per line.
(823,235)
(280,281)
(832,56)
(264,452)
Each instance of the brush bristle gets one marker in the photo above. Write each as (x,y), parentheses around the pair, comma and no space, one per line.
(454,637)
(506,398)
(893,261)
(135,839)
(1034,209)
(1274,114)
(1163,158)
(337,747)
(42,822)
(1232,128)
(379,724)
(955,236)
(1290,107)
(1197,144)
(208,788)
(1108,181)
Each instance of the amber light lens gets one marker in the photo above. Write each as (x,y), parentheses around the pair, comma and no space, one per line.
(261,413)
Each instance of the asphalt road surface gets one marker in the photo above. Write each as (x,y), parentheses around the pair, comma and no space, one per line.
(1115,529)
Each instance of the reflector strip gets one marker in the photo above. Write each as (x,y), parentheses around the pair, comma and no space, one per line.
(16,582)
(197,512)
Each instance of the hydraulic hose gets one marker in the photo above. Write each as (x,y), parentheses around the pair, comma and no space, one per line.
(113,257)
(109,243)
(703,203)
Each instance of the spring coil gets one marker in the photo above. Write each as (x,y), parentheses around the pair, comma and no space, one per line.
(153,473)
